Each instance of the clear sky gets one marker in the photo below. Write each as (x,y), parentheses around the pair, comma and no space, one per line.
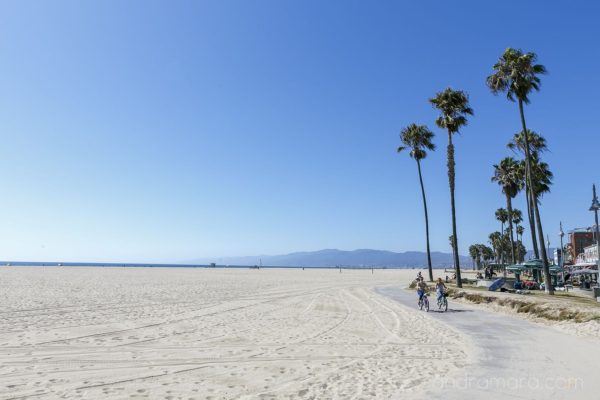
(166,131)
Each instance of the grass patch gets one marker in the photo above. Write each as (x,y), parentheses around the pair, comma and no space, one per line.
(473,297)
(539,310)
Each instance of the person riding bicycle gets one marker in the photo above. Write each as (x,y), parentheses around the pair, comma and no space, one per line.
(440,289)
(421,289)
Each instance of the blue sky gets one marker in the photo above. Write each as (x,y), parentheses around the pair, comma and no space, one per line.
(166,131)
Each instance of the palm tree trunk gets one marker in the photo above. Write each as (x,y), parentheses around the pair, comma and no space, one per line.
(453,254)
(519,240)
(426,222)
(531,221)
(536,211)
(547,278)
(451,181)
(510,226)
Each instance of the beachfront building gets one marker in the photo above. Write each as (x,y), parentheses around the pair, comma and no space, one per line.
(579,239)
(585,270)
(590,254)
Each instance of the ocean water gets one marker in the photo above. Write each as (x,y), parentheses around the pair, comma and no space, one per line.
(141,265)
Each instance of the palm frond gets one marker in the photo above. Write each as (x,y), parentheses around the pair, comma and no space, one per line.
(454,107)
(508,176)
(516,74)
(417,138)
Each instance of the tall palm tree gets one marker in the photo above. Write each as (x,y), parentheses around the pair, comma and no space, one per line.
(480,254)
(418,139)
(454,108)
(507,176)
(487,253)
(522,251)
(520,231)
(474,253)
(502,216)
(541,178)
(517,74)
(530,213)
(517,216)
(451,241)
(505,244)
(537,145)
(495,239)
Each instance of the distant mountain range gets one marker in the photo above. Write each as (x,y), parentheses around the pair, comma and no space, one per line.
(333,257)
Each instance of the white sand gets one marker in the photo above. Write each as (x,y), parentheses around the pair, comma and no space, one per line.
(197,333)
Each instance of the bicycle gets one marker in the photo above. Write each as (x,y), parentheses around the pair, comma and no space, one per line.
(424,302)
(443,302)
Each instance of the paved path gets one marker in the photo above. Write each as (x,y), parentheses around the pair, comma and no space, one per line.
(513,358)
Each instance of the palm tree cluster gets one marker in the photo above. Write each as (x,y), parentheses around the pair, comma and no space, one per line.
(517,75)
(507,244)
(479,253)
(541,176)
(510,174)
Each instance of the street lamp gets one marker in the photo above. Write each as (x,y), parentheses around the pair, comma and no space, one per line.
(595,207)
(548,246)
(561,233)
(561,261)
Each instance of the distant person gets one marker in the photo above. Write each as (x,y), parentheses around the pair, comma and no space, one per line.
(421,289)
(447,279)
(419,276)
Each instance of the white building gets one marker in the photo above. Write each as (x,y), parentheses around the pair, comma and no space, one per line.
(590,254)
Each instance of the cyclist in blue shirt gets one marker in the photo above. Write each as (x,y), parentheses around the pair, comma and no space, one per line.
(421,288)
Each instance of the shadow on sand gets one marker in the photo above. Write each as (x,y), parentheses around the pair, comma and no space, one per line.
(449,311)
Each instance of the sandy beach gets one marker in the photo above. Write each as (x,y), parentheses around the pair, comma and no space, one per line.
(216,334)
(179,333)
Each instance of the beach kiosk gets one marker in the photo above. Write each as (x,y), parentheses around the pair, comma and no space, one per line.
(536,267)
(516,269)
(537,271)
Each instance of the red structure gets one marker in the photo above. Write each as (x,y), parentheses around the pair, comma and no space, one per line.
(579,240)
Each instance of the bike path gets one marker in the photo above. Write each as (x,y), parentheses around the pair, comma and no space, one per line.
(511,357)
